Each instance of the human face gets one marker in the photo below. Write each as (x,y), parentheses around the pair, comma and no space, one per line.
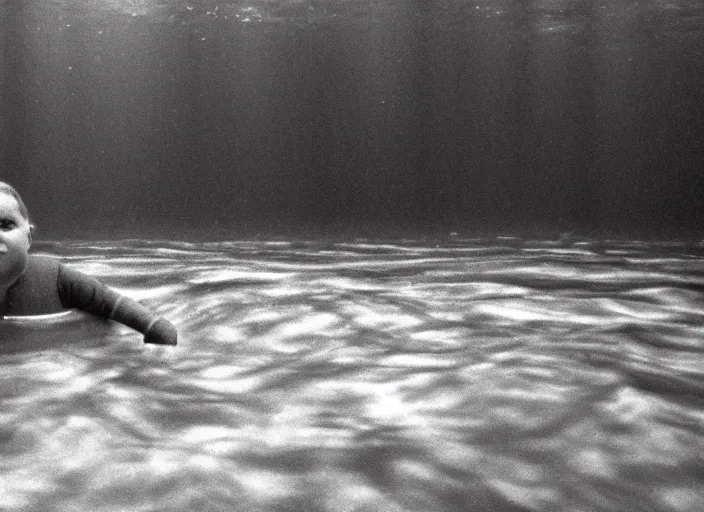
(15,239)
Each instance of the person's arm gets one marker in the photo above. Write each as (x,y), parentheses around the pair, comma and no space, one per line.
(80,291)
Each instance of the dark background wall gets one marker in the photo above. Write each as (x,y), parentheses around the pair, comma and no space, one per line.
(354,117)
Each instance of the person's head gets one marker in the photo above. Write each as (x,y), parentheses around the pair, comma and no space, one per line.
(15,235)
(6,188)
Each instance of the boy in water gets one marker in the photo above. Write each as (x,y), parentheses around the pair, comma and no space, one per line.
(36,285)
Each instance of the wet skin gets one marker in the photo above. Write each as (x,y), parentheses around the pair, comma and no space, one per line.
(15,240)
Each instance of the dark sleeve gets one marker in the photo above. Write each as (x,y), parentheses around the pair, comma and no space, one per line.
(77,290)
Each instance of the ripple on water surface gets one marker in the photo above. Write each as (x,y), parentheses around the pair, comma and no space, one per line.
(311,376)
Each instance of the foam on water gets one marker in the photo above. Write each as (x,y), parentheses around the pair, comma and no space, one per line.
(474,375)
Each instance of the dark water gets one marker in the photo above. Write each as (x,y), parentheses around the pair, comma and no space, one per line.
(369,117)
(471,375)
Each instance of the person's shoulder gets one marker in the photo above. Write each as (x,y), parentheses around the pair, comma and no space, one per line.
(42,260)
(42,264)
(36,291)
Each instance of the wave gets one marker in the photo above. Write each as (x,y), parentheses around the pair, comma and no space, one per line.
(507,374)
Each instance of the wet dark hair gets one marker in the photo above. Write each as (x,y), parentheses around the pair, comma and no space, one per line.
(5,188)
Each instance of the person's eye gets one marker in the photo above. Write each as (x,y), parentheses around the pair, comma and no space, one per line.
(7,224)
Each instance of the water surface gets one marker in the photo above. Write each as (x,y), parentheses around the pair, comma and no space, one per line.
(484,375)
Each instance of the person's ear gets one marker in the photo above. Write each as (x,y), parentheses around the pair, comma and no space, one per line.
(29,234)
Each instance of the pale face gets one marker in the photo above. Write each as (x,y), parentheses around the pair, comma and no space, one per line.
(15,239)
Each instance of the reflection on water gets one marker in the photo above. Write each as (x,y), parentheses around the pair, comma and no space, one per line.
(493,375)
